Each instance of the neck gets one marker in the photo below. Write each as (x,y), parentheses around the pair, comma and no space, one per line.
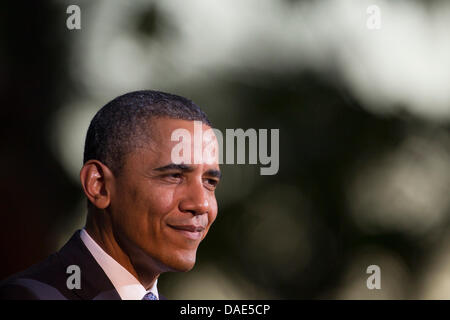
(100,228)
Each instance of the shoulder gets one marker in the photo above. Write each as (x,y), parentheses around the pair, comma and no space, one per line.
(71,273)
(29,289)
(40,281)
(12,291)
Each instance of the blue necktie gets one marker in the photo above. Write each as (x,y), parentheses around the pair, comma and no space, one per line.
(149,296)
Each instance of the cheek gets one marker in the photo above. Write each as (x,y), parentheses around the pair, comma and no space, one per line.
(213,213)
(159,203)
(142,206)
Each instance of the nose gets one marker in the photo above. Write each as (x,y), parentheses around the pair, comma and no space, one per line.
(195,199)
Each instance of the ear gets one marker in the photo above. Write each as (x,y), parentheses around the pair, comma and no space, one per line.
(96,179)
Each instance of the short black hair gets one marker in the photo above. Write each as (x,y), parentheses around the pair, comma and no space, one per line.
(122,124)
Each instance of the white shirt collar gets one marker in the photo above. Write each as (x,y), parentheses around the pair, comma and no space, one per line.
(128,287)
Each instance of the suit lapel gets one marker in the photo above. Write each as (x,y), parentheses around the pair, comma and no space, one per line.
(94,282)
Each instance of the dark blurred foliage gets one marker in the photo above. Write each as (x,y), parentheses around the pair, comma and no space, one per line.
(323,133)
(35,189)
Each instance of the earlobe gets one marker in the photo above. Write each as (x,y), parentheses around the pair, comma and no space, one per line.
(94,179)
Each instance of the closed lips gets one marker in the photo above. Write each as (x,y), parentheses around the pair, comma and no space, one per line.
(190,228)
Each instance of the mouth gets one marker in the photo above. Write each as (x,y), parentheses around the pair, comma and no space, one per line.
(193,232)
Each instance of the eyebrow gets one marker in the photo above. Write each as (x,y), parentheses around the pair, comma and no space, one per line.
(173,166)
(214,173)
(187,168)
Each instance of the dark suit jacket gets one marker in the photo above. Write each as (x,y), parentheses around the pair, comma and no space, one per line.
(48,280)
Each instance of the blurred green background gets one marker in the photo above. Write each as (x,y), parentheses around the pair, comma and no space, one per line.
(364,120)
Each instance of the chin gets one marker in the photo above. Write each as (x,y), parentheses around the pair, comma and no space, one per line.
(185,268)
(182,262)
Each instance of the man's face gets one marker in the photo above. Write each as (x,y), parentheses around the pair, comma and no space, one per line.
(160,210)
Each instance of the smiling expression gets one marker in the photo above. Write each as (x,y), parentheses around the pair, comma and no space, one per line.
(163,210)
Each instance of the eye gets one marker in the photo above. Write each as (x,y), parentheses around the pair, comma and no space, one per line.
(173,177)
(211,183)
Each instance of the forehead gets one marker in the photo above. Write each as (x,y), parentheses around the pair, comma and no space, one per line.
(160,130)
(162,127)
(163,140)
